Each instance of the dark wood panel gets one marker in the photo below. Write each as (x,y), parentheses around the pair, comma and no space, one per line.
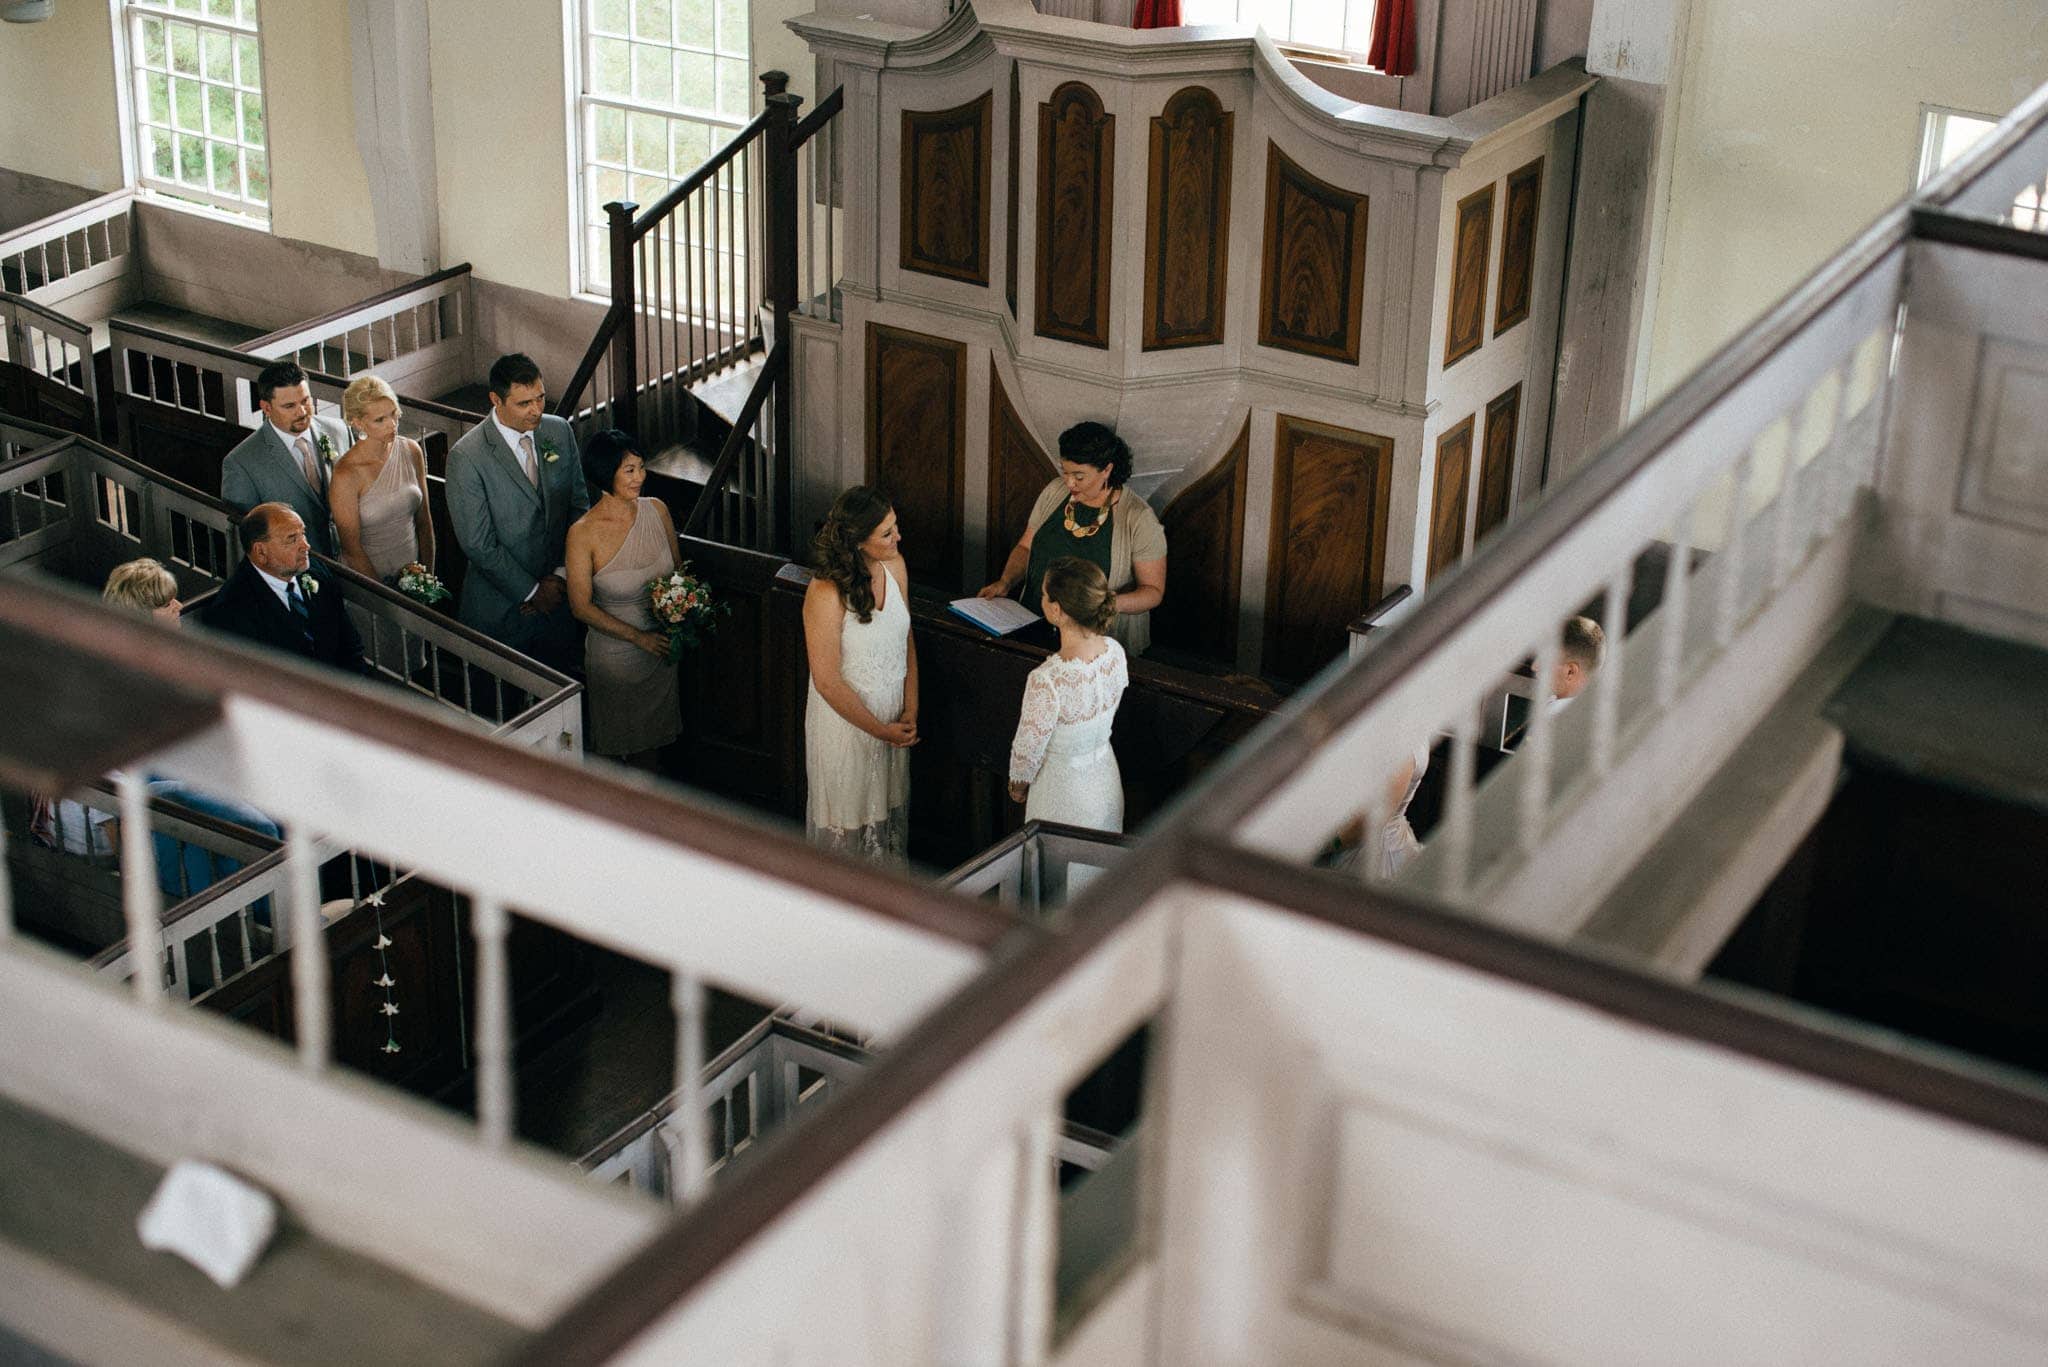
(1010,195)
(1018,469)
(1076,193)
(425,962)
(944,196)
(1329,532)
(917,444)
(1311,294)
(743,695)
(186,446)
(1205,537)
(1447,503)
(1518,246)
(1471,242)
(1187,222)
(1497,463)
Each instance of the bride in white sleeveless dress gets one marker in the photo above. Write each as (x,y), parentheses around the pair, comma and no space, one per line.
(1061,765)
(860,718)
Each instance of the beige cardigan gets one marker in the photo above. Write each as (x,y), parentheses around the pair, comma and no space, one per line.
(1134,534)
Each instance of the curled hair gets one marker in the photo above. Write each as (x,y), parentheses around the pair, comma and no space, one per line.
(363,391)
(835,551)
(142,584)
(603,456)
(1082,591)
(1092,443)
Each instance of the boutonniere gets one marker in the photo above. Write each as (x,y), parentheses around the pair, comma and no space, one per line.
(308,585)
(323,446)
(548,452)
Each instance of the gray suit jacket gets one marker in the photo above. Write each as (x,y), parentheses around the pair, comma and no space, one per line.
(513,533)
(262,469)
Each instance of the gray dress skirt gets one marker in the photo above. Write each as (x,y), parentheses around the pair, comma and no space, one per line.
(635,701)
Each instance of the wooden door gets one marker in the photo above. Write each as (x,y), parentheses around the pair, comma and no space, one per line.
(917,445)
(1328,546)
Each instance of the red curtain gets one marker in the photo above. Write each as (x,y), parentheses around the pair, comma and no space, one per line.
(1393,37)
(1156,14)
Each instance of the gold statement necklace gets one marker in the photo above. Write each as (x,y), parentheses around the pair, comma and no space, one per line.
(1077,530)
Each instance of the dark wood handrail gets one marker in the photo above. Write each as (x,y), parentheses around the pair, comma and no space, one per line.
(382,296)
(593,357)
(44,311)
(817,118)
(736,440)
(1370,618)
(644,221)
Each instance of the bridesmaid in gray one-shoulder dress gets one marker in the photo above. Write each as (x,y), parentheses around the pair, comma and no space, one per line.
(613,551)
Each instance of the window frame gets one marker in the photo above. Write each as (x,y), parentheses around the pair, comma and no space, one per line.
(590,273)
(138,121)
(1933,129)
(1364,10)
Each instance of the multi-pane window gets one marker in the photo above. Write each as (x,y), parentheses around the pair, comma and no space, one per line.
(1334,25)
(1946,134)
(199,121)
(664,84)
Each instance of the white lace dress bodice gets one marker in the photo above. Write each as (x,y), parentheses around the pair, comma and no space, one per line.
(859,798)
(1062,744)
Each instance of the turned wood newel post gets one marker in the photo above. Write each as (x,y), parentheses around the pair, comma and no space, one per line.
(625,352)
(778,283)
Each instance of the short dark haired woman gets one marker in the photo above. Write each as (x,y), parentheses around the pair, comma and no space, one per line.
(860,719)
(614,551)
(1070,517)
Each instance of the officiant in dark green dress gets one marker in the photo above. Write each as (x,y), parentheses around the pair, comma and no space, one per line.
(1087,512)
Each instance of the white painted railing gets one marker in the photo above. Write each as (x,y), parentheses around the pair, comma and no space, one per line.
(418,339)
(48,343)
(79,260)
(1036,869)
(1760,459)
(2005,178)
(205,381)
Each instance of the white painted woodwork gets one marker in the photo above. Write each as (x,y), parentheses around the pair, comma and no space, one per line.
(377,1172)
(1182,409)
(394,123)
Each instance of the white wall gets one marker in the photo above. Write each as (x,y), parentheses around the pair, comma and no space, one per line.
(1796,125)
(319,190)
(64,127)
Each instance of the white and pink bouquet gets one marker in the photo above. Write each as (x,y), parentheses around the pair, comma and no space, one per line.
(422,585)
(682,603)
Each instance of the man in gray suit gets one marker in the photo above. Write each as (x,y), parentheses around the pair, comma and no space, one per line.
(288,459)
(515,482)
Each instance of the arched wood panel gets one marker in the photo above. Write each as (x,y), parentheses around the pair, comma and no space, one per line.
(1076,161)
(1518,246)
(917,443)
(1471,244)
(1329,536)
(1447,503)
(1017,469)
(1312,291)
(1187,222)
(1205,559)
(1497,464)
(944,194)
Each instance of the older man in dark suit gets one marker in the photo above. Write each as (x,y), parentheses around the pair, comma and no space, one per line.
(278,598)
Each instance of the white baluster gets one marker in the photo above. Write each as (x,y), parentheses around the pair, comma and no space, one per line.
(141,900)
(1728,589)
(687,1184)
(1457,819)
(308,950)
(6,892)
(1671,635)
(1532,759)
(494,1095)
(1607,687)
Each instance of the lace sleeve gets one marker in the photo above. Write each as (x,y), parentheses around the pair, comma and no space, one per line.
(1034,728)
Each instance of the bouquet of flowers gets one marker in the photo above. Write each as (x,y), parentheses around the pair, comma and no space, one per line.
(682,603)
(422,585)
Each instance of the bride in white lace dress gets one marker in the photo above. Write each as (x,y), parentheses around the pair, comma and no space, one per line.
(1061,765)
(860,718)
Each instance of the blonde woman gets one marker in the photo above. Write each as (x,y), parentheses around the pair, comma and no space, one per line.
(145,586)
(378,493)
